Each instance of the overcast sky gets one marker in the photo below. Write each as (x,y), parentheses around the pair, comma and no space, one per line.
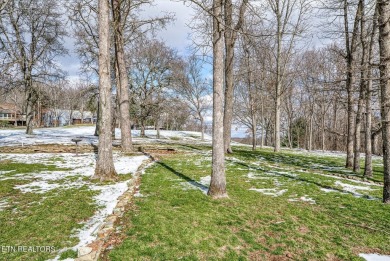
(176,34)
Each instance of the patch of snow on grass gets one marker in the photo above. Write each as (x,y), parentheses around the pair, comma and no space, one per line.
(327,190)
(39,187)
(3,204)
(270,192)
(375,257)
(126,165)
(6,171)
(352,189)
(107,199)
(303,198)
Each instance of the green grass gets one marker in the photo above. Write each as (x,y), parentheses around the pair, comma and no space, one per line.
(46,219)
(173,222)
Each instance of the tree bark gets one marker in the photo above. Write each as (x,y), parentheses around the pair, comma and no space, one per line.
(384,67)
(368,142)
(218,179)
(230,41)
(278,81)
(105,169)
(122,79)
(363,83)
(350,48)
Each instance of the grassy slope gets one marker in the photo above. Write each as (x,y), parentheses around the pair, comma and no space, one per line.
(171,223)
(46,219)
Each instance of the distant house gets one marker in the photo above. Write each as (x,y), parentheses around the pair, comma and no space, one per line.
(58,117)
(85,117)
(11,114)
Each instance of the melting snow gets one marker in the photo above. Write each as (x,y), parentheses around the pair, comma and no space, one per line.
(270,192)
(352,189)
(304,199)
(3,204)
(375,257)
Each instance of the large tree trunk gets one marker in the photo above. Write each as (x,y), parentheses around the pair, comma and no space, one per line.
(384,49)
(122,79)
(105,169)
(218,179)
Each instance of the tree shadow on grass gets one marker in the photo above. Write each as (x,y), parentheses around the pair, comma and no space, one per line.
(304,180)
(186,178)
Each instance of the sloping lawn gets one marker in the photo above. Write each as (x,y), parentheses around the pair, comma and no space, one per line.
(39,220)
(281,206)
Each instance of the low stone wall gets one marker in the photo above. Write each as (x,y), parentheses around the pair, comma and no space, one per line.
(92,251)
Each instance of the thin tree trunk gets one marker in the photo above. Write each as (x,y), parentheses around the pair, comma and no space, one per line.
(218,179)
(310,132)
(98,116)
(105,169)
(384,50)
(142,128)
(350,47)
(202,128)
(29,113)
(368,144)
(230,41)
(363,83)
(122,79)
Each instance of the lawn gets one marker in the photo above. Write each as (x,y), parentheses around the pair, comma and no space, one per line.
(281,206)
(49,206)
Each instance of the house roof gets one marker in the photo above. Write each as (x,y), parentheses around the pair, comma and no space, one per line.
(9,108)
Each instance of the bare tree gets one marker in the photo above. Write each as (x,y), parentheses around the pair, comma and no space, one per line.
(151,73)
(384,48)
(194,88)
(122,81)
(105,169)
(290,18)
(31,34)
(369,88)
(230,33)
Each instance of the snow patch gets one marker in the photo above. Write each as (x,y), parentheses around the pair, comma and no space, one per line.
(3,204)
(304,199)
(125,165)
(270,192)
(107,199)
(352,188)
(375,257)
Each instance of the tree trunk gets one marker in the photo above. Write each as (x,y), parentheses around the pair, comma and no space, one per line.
(230,41)
(218,179)
(363,86)
(105,169)
(310,132)
(142,129)
(122,79)
(29,112)
(114,114)
(368,144)
(384,67)
(202,128)
(278,85)
(98,116)
(350,48)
